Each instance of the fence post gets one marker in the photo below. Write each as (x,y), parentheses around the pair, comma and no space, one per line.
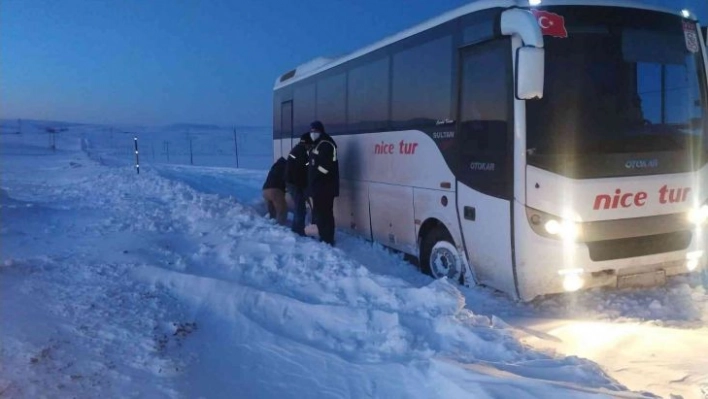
(191,155)
(137,158)
(236,146)
(52,140)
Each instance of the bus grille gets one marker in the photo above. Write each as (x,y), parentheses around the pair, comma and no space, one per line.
(639,246)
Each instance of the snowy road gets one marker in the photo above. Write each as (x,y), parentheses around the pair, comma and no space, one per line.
(643,356)
(649,340)
(170,284)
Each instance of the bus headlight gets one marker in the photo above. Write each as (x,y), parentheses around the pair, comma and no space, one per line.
(572,279)
(565,229)
(698,216)
(693,260)
(553,226)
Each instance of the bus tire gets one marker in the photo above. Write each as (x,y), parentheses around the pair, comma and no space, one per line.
(439,257)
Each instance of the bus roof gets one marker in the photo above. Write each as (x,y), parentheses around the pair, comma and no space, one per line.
(321,63)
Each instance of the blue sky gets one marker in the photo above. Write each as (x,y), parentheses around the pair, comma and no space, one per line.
(199,61)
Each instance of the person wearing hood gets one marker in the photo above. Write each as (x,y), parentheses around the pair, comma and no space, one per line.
(323,180)
(296,181)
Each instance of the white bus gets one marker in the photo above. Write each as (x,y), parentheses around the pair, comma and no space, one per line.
(530,148)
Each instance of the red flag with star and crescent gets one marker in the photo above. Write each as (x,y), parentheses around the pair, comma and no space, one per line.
(551,24)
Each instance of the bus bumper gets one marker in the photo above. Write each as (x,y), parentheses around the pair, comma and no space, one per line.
(551,266)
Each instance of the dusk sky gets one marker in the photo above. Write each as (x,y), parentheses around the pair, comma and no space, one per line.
(174,61)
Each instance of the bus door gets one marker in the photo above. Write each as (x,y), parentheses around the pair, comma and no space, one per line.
(485,160)
(286,128)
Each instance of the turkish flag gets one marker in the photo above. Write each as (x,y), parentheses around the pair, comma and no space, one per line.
(551,24)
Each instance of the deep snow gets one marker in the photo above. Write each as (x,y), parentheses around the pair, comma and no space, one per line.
(170,283)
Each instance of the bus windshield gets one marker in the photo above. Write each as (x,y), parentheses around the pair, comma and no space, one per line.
(625,94)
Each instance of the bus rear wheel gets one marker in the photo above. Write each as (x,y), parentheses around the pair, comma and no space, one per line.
(439,257)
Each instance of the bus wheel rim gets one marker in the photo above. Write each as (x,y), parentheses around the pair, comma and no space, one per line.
(444,260)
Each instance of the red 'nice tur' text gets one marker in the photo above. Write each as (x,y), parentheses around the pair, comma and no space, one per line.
(627,200)
(389,148)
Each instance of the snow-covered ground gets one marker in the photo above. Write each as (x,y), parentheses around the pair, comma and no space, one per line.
(170,283)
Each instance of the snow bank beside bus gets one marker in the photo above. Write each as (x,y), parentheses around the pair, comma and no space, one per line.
(123,284)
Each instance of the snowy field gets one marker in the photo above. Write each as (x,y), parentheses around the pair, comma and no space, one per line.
(171,284)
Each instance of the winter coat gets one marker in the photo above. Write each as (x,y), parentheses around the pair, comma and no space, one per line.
(296,170)
(323,172)
(276,175)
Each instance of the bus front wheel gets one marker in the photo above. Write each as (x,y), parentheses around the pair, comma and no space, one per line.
(439,256)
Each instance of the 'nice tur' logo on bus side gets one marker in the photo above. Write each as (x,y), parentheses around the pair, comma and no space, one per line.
(390,148)
(627,200)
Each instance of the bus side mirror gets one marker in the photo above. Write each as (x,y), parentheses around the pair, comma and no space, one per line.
(705,34)
(529,73)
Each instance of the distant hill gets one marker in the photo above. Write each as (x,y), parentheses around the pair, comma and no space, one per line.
(204,126)
(193,126)
(39,122)
(8,125)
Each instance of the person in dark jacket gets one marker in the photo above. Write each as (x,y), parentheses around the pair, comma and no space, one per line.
(296,181)
(323,180)
(274,192)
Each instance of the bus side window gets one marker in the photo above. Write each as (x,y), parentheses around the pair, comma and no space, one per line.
(303,108)
(368,96)
(422,69)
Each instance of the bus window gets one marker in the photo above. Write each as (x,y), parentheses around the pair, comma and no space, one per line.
(368,96)
(286,126)
(485,140)
(422,85)
(304,107)
(331,105)
(623,84)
